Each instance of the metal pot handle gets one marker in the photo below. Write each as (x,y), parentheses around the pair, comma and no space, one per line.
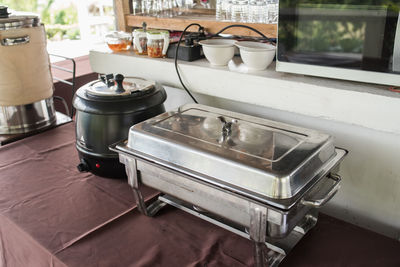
(15,41)
(136,42)
(166,44)
(317,203)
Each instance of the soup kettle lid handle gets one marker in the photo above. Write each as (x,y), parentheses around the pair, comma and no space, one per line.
(107,79)
(119,79)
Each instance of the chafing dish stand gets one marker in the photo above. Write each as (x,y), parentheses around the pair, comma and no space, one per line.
(274,217)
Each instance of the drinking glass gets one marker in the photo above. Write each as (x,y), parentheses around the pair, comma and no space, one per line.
(147,6)
(137,6)
(257,11)
(226,7)
(272,11)
(239,10)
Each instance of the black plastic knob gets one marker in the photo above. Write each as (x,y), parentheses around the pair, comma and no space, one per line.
(83,166)
(119,78)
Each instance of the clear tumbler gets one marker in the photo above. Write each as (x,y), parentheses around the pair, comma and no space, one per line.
(257,11)
(240,10)
(272,11)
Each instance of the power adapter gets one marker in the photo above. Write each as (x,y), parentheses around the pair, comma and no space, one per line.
(189,50)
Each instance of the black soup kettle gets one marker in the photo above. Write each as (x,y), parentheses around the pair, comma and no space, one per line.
(105,110)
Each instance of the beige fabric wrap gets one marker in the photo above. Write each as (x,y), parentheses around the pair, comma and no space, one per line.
(25,75)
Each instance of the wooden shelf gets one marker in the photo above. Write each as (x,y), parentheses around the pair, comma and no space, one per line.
(177,20)
(178,23)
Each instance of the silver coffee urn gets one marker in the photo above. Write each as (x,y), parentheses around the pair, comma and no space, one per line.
(26,85)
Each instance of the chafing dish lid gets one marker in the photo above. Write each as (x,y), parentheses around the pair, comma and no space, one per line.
(269,158)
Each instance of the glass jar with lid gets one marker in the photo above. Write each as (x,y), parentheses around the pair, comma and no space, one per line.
(157,43)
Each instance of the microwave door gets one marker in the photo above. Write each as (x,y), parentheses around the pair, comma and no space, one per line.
(396,49)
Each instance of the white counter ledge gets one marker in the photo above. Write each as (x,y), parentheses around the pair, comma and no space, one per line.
(366,105)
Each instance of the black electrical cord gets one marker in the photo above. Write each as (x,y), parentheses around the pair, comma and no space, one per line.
(242,26)
(176,59)
(214,35)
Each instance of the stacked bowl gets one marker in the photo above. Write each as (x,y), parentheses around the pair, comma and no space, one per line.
(255,55)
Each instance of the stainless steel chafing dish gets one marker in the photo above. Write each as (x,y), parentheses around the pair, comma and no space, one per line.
(259,178)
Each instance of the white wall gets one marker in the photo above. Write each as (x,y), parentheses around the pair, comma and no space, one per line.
(370,192)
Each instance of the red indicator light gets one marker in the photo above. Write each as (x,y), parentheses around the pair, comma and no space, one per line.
(97,165)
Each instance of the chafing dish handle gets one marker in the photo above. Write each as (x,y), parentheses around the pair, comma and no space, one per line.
(317,203)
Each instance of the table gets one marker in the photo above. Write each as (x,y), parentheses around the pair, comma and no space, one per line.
(52,215)
(9,138)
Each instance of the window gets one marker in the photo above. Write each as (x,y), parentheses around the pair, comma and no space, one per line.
(73,27)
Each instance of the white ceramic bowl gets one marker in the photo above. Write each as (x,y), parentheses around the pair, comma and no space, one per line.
(255,55)
(218,51)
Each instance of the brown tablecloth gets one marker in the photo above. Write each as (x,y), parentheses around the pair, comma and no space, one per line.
(52,215)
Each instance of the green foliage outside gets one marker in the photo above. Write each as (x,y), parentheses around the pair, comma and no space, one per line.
(393,5)
(335,33)
(60,24)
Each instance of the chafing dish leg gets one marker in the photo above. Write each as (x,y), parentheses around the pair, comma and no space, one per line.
(154,207)
(258,230)
(133,180)
(139,200)
(260,254)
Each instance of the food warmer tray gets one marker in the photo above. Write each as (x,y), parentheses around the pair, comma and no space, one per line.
(264,176)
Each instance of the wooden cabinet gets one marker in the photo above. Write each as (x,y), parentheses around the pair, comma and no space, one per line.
(205,17)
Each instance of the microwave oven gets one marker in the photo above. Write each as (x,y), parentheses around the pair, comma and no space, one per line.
(356,40)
